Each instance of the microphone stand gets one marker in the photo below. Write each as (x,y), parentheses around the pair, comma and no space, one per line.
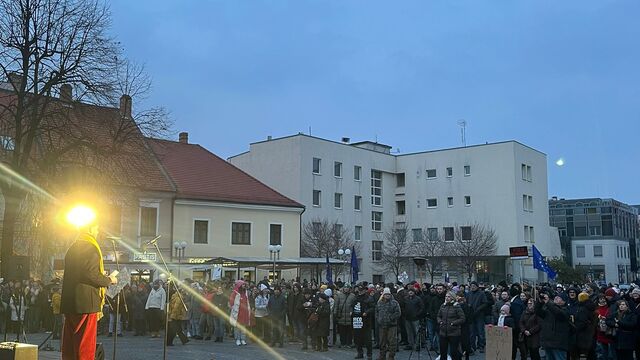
(154,242)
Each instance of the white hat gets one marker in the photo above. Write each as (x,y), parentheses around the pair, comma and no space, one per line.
(263,287)
(328,292)
(386,291)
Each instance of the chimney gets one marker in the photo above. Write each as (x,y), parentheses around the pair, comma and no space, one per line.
(15,79)
(125,106)
(66,93)
(346,140)
(183,137)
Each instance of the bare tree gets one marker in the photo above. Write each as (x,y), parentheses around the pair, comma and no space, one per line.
(472,243)
(49,50)
(396,250)
(431,247)
(321,238)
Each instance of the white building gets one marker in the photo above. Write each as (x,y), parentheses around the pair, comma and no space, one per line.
(365,187)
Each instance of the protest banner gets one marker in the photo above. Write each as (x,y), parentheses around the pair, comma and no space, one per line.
(499,342)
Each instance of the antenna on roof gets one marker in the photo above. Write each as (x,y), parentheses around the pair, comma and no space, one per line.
(309,130)
(463,131)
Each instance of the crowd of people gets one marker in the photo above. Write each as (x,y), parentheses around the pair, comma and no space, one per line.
(566,322)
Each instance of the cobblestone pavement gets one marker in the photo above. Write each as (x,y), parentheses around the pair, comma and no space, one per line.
(146,348)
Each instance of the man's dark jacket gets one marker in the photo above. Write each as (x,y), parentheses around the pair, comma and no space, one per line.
(82,279)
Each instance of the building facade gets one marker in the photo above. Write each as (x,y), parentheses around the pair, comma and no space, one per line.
(367,189)
(598,235)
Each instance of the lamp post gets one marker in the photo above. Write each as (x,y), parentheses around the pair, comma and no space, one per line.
(274,255)
(180,247)
(344,255)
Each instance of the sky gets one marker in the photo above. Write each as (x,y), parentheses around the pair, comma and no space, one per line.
(560,76)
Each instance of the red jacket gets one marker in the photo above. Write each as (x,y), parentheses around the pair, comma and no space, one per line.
(602,312)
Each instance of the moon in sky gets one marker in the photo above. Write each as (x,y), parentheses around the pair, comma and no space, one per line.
(560,162)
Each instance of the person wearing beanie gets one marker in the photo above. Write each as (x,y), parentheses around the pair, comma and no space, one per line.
(478,303)
(504,317)
(320,329)
(450,320)
(387,315)
(413,310)
(332,303)
(277,309)
(555,327)
(584,327)
(361,315)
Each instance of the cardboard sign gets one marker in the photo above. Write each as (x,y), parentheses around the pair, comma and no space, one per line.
(499,342)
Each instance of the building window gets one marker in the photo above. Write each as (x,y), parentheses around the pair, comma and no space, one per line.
(581,230)
(376,221)
(357,202)
(432,234)
(527,203)
(449,172)
(240,233)
(400,180)
(316,197)
(417,235)
(528,234)
(376,250)
(448,234)
(337,200)
(357,233)
(400,207)
(200,231)
(316,165)
(595,230)
(275,234)
(467,200)
(431,174)
(450,201)
(526,172)
(562,232)
(432,203)
(467,170)
(337,231)
(597,250)
(617,251)
(357,173)
(337,169)
(465,232)
(376,187)
(591,210)
(148,221)
(580,251)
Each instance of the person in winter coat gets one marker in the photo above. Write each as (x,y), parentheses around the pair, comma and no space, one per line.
(342,314)
(206,313)
(262,314)
(195,312)
(294,298)
(363,307)
(221,301)
(477,301)
(554,334)
(387,315)
(634,303)
(413,312)
(605,349)
(122,313)
(495,309)
(504,317)
(584,324)
(240,311)
(530,331)
(306,308)
(277,308)
(154,307)
(435,303)
(465,337)
(625,322)
(138,301)
(177,314)
(320,330)
(450,319)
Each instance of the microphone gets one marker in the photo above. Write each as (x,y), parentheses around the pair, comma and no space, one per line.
(153,241)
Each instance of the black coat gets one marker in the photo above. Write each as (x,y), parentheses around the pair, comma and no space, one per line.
(625,337)
(367,306)
(321,327)
(82,279)
(414,308)
(277,306)
(531,322)
(585,322)
(555,330)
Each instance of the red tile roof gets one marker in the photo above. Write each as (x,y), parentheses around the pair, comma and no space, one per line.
(125,159)
(200,174)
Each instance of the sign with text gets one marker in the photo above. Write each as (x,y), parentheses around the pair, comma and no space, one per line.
(519,252)
(498,342)
(144,257)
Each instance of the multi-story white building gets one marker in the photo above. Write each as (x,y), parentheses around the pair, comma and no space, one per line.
(365,187)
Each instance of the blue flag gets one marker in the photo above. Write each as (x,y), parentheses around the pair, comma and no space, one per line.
(354,266)
(540,264)
(329,273)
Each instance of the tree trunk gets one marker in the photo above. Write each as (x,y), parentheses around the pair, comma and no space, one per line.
(12,200)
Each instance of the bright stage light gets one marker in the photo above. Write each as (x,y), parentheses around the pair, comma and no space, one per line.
(81,216)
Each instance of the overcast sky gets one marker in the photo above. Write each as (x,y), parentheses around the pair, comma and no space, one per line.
(560,76)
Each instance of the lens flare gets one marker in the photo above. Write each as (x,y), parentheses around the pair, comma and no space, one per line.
(80,216)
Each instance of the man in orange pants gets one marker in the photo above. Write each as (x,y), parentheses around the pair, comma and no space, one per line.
(83,292)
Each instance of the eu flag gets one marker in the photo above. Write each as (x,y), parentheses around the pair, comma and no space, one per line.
(540,264)
(354,266)
(329,272)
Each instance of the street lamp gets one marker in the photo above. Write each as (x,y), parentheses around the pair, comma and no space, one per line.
(274,255)
(346,253)
(180,247)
